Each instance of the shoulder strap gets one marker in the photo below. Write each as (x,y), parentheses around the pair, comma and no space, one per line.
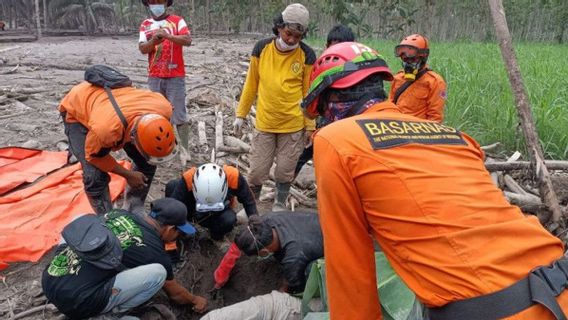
(118,112)
(407,84)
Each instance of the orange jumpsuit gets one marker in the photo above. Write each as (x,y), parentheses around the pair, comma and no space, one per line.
(90,106)
(424,99)
(422,191)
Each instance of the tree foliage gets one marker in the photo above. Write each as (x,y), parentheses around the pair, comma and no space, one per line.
(449,20)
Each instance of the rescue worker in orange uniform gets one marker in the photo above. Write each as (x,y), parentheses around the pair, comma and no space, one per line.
(416,89)
(421,190)
(94,129)
(209,193)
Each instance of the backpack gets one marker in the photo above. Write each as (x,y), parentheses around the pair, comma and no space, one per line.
(106,77)
(93,242)
(109,78)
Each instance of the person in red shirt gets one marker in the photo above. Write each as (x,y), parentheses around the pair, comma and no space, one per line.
(421,191)
(162,38)
(416,89)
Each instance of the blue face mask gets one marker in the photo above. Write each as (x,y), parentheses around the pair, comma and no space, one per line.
(157,10)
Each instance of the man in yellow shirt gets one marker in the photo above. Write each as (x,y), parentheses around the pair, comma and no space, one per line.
(278,78)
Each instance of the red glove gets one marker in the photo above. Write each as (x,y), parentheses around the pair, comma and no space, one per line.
(223,271)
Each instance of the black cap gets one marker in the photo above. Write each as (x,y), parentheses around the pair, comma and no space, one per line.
(171,212)
(93,242)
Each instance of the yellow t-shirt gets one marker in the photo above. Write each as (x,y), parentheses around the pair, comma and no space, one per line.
(278,81)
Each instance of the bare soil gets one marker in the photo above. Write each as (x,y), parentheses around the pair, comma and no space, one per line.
(34,76)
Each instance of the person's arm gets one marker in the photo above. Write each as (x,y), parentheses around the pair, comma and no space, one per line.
(309,124)
(148,46)
(181,193)
(294,266)
(98,154)
(348,248)
(180,295)
(246,197)
(437,100)
(250,89)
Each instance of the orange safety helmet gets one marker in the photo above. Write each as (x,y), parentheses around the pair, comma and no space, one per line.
(414,45)
(153,135)
(341,66)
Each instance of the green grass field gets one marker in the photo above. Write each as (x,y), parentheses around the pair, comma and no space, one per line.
(480,99)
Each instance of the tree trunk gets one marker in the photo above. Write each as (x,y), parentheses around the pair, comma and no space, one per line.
(45,18)
(37,15)
(524,110)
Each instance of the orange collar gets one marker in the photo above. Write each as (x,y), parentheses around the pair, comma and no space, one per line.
(383,106)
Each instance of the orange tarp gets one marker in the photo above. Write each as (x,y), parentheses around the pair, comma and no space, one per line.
(19,166)
(31,219)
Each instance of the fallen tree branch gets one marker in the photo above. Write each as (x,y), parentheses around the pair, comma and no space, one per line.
(218,129)
(202,134)
(9,49)
(525,165)
(49,307)
(14,115)
(514,186)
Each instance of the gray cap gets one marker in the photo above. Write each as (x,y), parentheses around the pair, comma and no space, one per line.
(171,212)
(297,17)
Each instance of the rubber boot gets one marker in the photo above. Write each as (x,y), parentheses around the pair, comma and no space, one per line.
(183,136)
(256,192)
(101,204)
(183,132)
(282,192)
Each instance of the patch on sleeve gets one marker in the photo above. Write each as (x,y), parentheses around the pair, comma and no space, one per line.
(444,94)
(384,134)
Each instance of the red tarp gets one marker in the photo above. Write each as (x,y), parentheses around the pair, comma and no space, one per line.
(31,219)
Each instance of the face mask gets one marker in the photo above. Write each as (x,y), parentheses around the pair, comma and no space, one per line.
(283,46)
(157,10)
(259,258)
(337,110)
(410,70)
(340,110)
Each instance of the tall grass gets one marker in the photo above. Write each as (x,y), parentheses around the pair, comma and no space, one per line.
(480,100)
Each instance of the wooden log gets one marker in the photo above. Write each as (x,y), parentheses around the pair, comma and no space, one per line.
(491,146)
(525,165)
(9,49)
(218,129)
(231,141)
(13,115)
(13,70)
(201,133)
(232,149)
(514,186)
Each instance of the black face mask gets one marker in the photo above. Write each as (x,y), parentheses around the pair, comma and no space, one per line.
(410,70)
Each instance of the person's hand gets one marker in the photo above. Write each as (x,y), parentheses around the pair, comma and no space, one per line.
(162,34)
(238,127)
(199,304)
(136,179)
(308,140)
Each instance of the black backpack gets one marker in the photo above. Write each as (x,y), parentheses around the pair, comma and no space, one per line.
(109,78)
(106,77)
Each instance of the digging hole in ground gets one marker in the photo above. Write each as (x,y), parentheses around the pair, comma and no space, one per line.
(249,278)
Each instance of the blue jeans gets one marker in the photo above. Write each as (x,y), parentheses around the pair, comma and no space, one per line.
(135,286)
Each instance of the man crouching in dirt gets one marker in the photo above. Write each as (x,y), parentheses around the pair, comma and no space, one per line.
(107,268)
(209,193)
(295,240)
(94,129)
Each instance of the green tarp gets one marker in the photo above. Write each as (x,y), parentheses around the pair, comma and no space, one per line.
(397,301)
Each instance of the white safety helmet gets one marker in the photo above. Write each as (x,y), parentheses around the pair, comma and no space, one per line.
(210,188)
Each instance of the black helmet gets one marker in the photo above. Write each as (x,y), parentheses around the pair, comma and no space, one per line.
(170,2)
